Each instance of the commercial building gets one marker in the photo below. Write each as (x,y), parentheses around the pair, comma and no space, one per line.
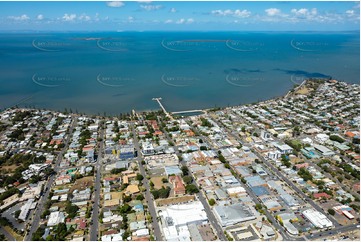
(25,209)
(323,150)
(126,152)
(318,219)
(254,181)
(177,218)
(233,214)
(283,148)
(147,148)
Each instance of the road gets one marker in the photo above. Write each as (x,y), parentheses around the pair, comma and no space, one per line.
(328,175)
(200,195)
(40,207)
(148,196)
(290,183)
(94,225)
(7,234)
(255,199)
(317,236)
(296,189)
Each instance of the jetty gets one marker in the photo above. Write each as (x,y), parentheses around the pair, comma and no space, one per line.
(162,107)
(169,115)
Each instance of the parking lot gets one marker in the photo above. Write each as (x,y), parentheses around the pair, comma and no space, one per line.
(10,214)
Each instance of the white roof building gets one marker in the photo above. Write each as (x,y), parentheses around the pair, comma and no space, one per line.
(235,190)
(318,219)
(55,218)
(25,209)
(233,214)
(177,217)
(283,148)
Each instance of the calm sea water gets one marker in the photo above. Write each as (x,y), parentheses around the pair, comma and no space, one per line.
(118,72)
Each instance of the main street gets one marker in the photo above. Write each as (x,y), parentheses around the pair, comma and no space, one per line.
(200,195)
(148,196)
(296,189)
(282,177)
(40,206)
(94,225)
(255,199)
(319,235)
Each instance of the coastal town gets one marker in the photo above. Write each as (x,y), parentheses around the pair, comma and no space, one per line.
(285,169)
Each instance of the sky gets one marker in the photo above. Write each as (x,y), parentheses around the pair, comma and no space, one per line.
(180,16)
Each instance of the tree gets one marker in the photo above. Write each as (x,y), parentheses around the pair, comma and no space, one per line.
(127,199)
(45,213)
(4,222)
(37,236)
(126,235)
(221,158)
(71,210)
(355,207)
(337,138)
(117,170)
(164,180)
(125,209)
(161,193)
(211,201)
(164,192)
(331,211)
(140,197)
(185,170)
(140,177)
(60,231)
(191,189)
(258,206)
(17,213)
(187,179)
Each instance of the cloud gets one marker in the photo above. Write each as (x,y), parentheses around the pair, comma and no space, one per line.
(130,19)
(173,10)
(236,13)
(84,17)
(115,4)
(96,18)
(185,21)
(301,11)
(350,13)
(168,21)
(69,17)
(273,11)
(242,14)
(150,7)
(180,21)
(40,17)
(23,17)
(314,11)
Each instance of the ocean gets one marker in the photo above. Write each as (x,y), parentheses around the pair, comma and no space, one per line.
(115,72)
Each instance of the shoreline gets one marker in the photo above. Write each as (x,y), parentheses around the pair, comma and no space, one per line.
(203,110)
